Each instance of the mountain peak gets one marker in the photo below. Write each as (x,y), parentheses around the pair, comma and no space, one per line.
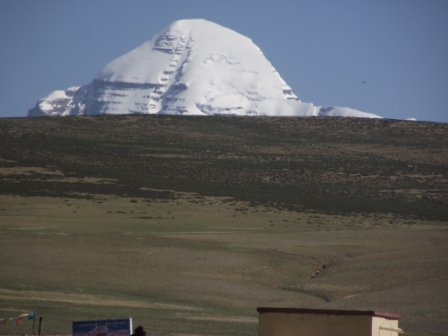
(192,67)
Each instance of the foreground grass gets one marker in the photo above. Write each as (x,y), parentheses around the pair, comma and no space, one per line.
(200,265)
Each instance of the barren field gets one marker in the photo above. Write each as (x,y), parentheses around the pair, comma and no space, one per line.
(188,224)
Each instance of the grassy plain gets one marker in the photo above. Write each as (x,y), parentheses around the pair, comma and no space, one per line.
(189,224)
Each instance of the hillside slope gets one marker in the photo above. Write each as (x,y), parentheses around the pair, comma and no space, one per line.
(337,165)
(187,224)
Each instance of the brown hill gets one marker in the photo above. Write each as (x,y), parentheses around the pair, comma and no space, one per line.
(188,224)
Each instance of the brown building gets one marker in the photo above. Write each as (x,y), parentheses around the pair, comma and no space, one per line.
(322,322)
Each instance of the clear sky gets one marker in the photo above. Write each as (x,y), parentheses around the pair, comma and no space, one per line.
(323,49)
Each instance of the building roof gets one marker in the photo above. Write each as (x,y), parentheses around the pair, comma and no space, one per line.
(389,316)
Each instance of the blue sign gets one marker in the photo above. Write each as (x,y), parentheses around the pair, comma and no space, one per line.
(103,328)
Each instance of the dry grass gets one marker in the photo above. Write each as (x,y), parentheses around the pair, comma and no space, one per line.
(206,260)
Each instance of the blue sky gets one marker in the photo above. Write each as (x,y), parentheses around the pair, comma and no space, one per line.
(324,49)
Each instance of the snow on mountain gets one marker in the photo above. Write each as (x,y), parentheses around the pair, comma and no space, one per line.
(193,67)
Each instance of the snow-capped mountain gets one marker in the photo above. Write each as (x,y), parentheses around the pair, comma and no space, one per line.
(193,67)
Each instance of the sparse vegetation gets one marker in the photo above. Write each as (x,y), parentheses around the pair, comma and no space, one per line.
(189,224)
